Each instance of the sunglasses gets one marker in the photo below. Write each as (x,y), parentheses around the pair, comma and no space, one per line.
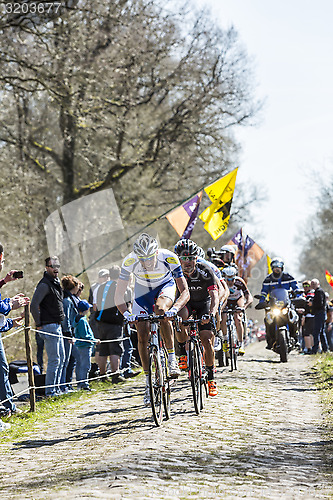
(56,266)
(230,279)
(146,259)
(188,257)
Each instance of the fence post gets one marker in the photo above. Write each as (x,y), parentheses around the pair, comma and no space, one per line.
(29,358)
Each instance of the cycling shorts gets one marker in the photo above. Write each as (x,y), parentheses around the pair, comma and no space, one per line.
(199,309)
(144,299)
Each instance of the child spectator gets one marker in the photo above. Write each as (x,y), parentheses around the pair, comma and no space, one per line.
(83,333)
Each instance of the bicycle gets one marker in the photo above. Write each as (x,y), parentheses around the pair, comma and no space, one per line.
(197,369)
(159,382)
(232,353)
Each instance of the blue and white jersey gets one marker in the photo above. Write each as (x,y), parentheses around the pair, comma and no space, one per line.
(212,266)
(166,269)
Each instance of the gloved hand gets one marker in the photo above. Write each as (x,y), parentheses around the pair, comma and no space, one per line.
(129,316)
(171,313)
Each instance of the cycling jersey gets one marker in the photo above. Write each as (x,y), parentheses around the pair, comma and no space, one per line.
(151,284)
(212,266)
(166,269)
(237,290)
(200,282)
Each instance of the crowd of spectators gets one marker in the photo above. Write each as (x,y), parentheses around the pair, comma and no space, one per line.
(65,333)
(317,319)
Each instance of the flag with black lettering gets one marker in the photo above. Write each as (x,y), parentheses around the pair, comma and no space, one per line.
(216,216)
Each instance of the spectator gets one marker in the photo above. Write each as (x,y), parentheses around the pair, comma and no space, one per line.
(48,313)
(7,305)
(73,356)
(103,276)
(329,324)
(318,308)
(84,343)
(70,285)
(110,326)
(308,324)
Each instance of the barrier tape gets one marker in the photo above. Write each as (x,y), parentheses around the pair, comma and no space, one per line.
(15,396)
(81,340)
(13,333)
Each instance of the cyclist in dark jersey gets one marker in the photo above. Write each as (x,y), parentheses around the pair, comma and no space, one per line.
(203,303)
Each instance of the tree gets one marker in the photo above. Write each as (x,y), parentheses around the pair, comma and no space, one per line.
(317,239)
(114,88)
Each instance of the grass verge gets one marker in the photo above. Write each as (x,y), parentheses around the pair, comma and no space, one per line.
(324,372)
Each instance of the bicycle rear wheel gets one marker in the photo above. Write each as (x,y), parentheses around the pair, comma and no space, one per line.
(232,351)
(156,385)
(195,375)
(204,387)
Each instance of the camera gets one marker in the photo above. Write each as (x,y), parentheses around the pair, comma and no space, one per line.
(18,274)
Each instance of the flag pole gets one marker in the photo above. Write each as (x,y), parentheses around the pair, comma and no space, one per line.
(142,229)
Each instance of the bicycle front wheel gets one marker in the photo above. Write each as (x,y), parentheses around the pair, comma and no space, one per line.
(156,385)
(166,385)
(195,375)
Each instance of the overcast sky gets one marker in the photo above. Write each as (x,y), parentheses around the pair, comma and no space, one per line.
(291,42)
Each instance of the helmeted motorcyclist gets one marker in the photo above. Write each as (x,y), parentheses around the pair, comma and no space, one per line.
(278,279)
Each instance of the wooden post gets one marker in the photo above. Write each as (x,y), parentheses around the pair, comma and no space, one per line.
(31,377)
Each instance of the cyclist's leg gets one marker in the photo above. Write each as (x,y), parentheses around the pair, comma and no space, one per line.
(163,303)
(238,318)
(182,339)
(207,340)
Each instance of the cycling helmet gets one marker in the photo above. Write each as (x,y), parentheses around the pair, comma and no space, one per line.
(229,272)
(186,248)
(277,262)
(145,246)
(228,248)
(201,253)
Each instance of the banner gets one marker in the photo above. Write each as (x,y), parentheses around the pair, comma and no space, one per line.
(269,260)
(183,218)
(216,216)
(329,278)
(252,254)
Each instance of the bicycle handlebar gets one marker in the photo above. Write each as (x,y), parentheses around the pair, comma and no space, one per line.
(234,309)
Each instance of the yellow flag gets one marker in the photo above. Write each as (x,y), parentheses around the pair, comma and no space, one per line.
(216,216)
(269,260)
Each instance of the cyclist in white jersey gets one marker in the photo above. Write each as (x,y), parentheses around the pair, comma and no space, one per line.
(157,274)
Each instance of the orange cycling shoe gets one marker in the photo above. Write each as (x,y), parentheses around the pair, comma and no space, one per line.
(183,362)
(212,388)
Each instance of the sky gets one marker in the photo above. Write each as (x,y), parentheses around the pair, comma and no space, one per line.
(291,43)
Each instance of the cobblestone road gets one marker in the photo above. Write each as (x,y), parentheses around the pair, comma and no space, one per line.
(262,437)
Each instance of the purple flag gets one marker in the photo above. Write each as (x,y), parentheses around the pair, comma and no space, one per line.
(191,207)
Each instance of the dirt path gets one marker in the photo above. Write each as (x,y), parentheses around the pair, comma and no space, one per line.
(260,438)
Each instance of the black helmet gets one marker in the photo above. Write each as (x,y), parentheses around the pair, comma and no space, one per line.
(186,247)
(145,246)
(277,262)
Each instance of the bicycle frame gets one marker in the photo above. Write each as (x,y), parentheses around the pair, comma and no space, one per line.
(197,371)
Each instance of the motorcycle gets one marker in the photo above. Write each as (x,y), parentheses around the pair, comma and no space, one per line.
(279,312)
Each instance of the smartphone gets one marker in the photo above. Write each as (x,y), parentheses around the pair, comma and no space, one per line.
(18,274)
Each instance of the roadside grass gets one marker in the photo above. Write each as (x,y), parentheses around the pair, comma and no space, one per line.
(324,381)
(25,422)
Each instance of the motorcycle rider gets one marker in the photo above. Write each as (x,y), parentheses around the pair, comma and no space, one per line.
(278,279)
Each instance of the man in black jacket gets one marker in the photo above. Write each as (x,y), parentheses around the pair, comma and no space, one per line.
(318,308)
(48,313)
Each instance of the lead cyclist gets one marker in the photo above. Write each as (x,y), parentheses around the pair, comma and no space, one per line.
(158,275)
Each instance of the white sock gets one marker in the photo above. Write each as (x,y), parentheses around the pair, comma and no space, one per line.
(171,357)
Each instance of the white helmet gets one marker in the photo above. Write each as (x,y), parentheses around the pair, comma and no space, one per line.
(229,272)
(228,248)
(201,253)
(145,246)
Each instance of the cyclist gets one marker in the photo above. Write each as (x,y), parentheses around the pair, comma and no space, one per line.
(227,254)
(240,296)
(223,289)
(278,279)
(158,275)
(203,303)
